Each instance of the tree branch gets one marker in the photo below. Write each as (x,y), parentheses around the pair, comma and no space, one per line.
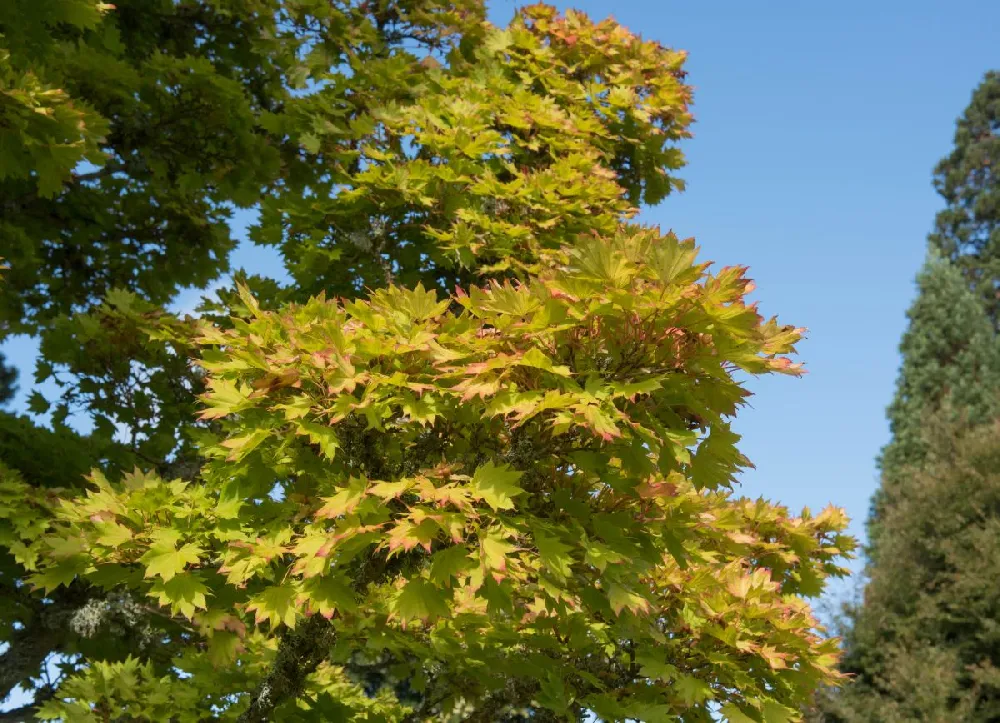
(27,650)
(299,654)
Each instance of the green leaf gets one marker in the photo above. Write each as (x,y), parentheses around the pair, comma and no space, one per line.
(184,593)
(242,446)
(112,534)
(497,486)
(717,459)
(691,690)
(224,398)
(223,648)
(276,604)
(600,423)
(735,714)
(555,554)
(62,572)
(248,299)
(495,549)
(321,435)
(655,667)
(451,562)
(297,408)
(326,595)
(344,501)
(166,562)
(600,556)
(37,404)
(535,358)
(420,599)
(774,712)
(621,598)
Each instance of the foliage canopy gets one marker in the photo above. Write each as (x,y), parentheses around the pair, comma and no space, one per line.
(474,463)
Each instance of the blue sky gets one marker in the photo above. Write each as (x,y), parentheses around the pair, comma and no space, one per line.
(818,125)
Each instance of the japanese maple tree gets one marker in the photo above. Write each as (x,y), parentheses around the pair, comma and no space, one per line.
(474,463)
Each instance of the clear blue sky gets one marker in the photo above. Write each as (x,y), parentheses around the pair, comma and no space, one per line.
(818,125)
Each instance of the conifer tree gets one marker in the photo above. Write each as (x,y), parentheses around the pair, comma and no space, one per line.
(950,367)
(967,230)
(924,645)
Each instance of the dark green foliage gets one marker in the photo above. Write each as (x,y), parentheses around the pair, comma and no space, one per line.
(28,449)
(8,381)
(967,231)
(925,645)
(950,354)
(167,94)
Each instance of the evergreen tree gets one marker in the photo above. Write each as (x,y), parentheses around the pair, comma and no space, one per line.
(967,231)
(925,644)
(950,364)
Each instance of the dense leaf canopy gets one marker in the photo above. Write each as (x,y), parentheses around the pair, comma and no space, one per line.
(474,463)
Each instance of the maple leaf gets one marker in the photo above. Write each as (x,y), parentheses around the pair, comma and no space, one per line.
(774,712)
(422,410)
(621,598)
(408,534)
(736,714)
(599,422)
(535,358)
(112,534)
(240,564)
(691,690)
(474,387)
(717,459)
(554,554)
(320,435)
(653,666)
(420,599)
(242,446)
(327,595)
(166,561)
(276,604)
(61,572)
(600,556)
(223,648)
(344,501)
(494,549)
(496,485)
(298,407)
(184,593)
(391,490)
(224,398)
(451,562)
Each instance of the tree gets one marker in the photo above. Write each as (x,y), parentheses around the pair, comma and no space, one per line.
(967,231)
(924,646)
(479,449)
(951,365)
